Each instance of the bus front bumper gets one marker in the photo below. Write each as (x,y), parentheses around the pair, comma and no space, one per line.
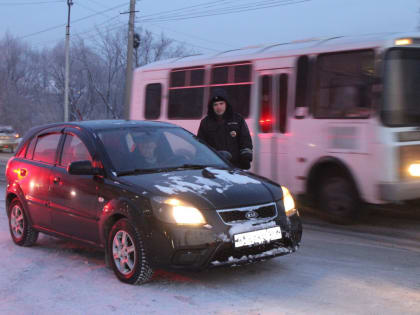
(399,191)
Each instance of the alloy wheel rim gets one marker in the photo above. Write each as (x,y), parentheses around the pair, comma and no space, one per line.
(17,222)
(124,252)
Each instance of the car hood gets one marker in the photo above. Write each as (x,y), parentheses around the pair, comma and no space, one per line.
(209,188)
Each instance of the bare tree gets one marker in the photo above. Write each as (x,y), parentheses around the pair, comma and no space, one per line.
(32,81)
(153,48)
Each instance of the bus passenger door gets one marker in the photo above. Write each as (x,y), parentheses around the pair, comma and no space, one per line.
(272,145)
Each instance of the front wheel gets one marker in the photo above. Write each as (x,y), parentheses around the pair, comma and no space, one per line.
(338,198)
(20,229)
(127,255)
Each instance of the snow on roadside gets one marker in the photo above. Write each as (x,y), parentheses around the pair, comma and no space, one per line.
(61,277)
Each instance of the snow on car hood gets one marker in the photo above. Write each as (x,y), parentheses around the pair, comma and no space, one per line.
(208,188)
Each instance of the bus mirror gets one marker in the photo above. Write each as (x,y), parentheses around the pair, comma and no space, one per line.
(301,112)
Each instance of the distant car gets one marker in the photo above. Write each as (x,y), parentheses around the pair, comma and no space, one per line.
(9,138)
(150,194)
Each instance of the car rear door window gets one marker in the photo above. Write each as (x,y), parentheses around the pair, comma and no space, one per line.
(46,148)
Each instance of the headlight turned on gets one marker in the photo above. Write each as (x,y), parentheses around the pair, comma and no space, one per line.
(414,169)
(185,214)
(288,202)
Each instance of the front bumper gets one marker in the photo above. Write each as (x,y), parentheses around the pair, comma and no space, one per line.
(202,248)
(399,191)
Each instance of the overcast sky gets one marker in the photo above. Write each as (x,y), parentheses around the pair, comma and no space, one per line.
(257,22)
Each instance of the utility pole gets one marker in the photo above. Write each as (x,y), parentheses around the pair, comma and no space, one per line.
(67,70)
(129,67)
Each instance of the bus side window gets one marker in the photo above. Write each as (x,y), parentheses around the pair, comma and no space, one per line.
(236,80)
(302,86)
(344,84)
(153,101)
(266,115)
(283,90)
(186,93)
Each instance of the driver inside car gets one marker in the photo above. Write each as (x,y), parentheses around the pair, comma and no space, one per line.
(146,150)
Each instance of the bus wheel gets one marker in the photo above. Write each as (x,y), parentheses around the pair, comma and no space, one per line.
(338,198)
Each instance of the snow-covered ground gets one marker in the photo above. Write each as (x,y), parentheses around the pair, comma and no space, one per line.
(334,272)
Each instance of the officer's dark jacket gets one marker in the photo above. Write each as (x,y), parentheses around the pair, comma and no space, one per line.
(229,134)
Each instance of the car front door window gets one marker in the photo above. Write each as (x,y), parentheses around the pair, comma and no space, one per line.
(74,150)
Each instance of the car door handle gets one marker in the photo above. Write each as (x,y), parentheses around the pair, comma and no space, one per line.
(56,180)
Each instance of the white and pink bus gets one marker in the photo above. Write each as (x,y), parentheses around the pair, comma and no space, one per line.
(337,119)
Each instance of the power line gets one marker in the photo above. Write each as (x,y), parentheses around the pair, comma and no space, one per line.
(75,21)
(90,30)
(184,42)
(207,4)
(97,2)
(186,13)
(115,26)
(223,11)
(190,35)
(199,8)
(28,3)
(106,15)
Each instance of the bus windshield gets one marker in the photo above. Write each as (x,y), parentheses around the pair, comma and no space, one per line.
(401,88)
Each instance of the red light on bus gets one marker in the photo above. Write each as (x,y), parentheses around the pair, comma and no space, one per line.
(266,124)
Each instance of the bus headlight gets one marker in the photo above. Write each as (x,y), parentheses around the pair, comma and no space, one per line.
(409,168)
(288,202)
(414,169)
(175,211)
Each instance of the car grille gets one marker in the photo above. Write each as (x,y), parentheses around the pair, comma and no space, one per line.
(237,215)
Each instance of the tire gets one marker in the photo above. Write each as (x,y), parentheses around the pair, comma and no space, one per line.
(127,254)
(338,198)
(23,234)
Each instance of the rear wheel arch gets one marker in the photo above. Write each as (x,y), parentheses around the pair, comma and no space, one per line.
(10,197)
(21,230)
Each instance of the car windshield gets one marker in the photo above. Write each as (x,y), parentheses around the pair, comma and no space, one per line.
(7,130)
(150,149)
(401,92)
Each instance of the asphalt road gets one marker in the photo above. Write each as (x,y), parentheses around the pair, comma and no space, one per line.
(370,268)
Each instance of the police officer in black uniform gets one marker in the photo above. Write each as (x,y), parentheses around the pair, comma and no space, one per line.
(225,130)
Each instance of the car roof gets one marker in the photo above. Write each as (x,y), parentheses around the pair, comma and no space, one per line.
(93,125)
(104,124)
(114,123)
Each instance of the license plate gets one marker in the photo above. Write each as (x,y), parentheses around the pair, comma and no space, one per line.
(257,237)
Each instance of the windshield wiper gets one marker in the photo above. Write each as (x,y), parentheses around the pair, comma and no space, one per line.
(139,171)
(164,169)
(190,166)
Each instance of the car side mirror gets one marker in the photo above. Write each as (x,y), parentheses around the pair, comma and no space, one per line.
(82,168)
(226,155)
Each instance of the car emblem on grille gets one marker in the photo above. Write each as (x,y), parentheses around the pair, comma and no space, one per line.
(251,214)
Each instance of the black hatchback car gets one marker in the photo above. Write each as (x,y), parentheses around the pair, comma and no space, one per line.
(150,194)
